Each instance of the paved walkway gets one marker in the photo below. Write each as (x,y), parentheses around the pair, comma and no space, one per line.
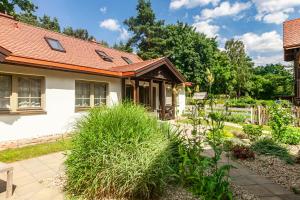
(33,179)
(260,186)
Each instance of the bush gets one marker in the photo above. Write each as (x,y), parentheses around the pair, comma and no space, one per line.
(242,152)
(119,152)
(235,118)
(253,132)
(241,102)
(271,148)
(291,136)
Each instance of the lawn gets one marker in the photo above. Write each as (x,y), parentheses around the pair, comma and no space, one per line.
(12,155)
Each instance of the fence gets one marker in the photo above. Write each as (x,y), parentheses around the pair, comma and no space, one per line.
(255,115)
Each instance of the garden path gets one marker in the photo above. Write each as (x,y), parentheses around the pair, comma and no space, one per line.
(36,178)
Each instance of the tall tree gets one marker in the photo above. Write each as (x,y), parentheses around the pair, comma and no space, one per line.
(47,23)
(9,6)
(191,52)
(147,31)
(123,47)
(78,33)
(242,66)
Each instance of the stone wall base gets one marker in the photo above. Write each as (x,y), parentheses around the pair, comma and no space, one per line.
(32,141)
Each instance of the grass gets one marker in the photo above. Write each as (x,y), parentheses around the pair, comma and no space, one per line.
(120,152)
(23,153)
(271,148)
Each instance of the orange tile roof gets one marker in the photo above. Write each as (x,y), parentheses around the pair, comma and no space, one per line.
(291,33)
(27,41)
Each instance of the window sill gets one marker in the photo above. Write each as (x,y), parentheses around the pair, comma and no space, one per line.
(82,109)
(23,112)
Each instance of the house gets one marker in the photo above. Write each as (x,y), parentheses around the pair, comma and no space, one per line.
(48,80)
(291,45)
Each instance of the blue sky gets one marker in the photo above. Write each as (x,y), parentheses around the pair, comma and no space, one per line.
(256,22)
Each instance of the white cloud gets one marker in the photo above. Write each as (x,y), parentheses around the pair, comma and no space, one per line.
(103,10)
(264,60)
(224,9)
(113,25)
(266,42)
(205,27)
(274,11)
(124,35)
(177,4)
(110,24)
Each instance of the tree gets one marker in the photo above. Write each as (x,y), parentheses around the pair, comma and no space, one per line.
(9,6)
(271,81)
(123,47)
(147,31)
(241,65)
(47,23)
(28,18)
(191,52)
(78,33)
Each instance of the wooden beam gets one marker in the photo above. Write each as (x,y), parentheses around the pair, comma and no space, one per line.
(136,92)
(173,99)
(151,94)
(123,89)
(163,99)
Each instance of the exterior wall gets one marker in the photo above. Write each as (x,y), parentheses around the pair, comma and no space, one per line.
(181,101)
(60,103)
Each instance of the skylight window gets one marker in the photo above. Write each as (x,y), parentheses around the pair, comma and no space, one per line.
(127,60)
(55,44)
(104,56)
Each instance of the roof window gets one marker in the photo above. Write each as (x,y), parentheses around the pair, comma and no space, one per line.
(127,60)
(55,44)
(104,56)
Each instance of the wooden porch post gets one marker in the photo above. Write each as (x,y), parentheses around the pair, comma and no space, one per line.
(123,89)
(151,94)
(136,93)
(173,100)
(163,99)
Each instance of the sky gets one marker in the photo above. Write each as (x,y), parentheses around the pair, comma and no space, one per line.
(258,23)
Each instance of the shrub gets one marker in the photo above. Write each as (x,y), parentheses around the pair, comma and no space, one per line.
(253,132)
(242,152)
(235,118)
(241,102)
(271,148)
(280,119)
(291,136)
(119,152)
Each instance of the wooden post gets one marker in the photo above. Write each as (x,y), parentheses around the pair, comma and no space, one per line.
(136,92)
(252,117)
(259,115)
(9,183)
(123,89)
(174,100)
(151,94)
(163,98)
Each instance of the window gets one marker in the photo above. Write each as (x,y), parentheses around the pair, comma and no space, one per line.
(99,94)
(127,60)
(55,44)
(5,91)
(90,94)
(104,56)
(29,92)
(22,94)
(83,93)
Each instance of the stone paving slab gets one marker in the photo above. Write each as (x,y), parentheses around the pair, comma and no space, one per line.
(30,175)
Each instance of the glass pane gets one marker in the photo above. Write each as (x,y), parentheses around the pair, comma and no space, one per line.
(4,103)
(97,102)
(35,88)
(100,91)
(82,102)
(5,89)
(23,87)
(24,102)
(82,90)
(55,44)
(35,102)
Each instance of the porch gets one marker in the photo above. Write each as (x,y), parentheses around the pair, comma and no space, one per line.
(155,86)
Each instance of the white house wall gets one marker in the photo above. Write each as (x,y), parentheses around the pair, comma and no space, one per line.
(60,104)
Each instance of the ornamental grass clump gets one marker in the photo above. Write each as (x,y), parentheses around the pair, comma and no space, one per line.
(120,152)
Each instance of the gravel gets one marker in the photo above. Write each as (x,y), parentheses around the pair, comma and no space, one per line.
(275,169)
(241,193)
